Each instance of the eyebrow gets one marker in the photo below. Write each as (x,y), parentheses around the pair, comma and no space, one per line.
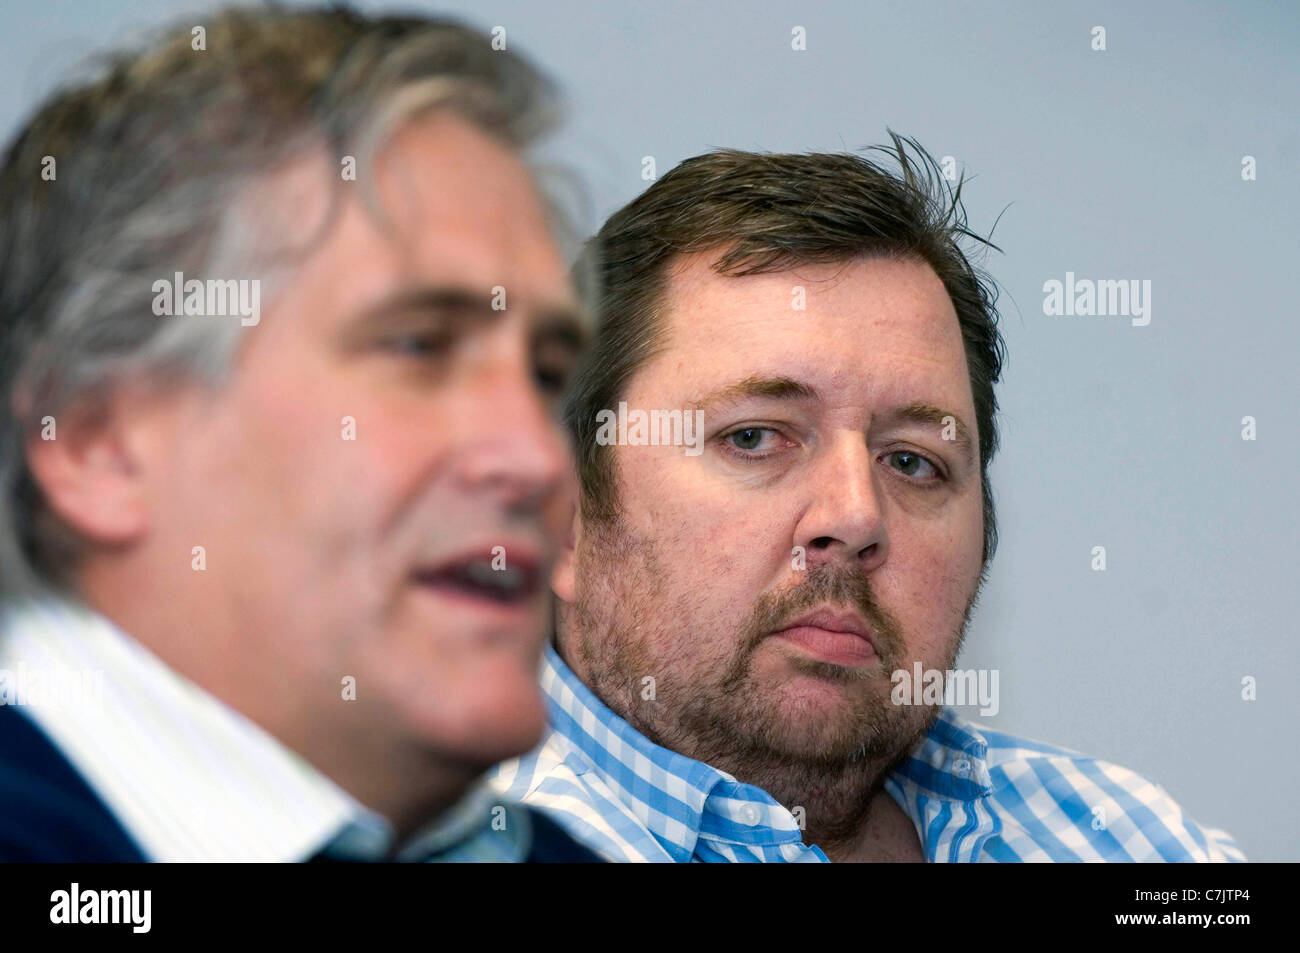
(773,388)
(930,415)
(552,321)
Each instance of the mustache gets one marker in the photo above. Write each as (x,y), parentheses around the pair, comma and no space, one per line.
(835,586)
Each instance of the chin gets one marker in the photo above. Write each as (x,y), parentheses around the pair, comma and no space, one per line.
(819,721)
(500,742)
(804,697)
(503,719)
(811,740)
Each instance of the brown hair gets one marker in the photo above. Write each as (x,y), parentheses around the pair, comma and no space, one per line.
(764,213)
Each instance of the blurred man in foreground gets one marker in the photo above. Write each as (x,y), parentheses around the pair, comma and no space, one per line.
(283,324)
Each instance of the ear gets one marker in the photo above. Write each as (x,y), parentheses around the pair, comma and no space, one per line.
(90,473)
(563,576)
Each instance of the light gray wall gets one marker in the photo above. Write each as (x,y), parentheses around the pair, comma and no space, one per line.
(1117,164)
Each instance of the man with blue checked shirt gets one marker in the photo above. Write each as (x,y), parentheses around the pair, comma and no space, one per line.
(722,684)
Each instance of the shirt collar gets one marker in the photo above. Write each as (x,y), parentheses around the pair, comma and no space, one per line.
(189,777)
(950,762)
(478,828)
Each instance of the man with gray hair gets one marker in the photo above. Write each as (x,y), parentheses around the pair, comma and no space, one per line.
(284,323)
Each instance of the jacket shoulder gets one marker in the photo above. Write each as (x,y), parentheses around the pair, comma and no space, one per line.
(552,844)
(48,813)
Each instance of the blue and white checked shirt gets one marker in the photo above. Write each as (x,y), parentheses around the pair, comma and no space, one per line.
(972,795)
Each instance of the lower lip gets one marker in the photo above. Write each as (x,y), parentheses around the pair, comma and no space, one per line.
(840,648)
(519,612)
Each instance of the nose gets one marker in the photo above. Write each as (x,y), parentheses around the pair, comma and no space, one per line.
(844,522)
(514,449)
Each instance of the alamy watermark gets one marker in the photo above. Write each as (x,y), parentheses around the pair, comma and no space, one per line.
(1104,297)
(231,297)
(653,428)
(52,688)
(934,686)
(133,908)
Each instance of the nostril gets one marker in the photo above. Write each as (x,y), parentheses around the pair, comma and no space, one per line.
(821,542)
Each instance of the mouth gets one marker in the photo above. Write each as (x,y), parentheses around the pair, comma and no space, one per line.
(510,579)
(835,636)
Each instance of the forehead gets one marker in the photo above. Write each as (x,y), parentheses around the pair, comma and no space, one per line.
(465,204)
(449,207)
(862,332)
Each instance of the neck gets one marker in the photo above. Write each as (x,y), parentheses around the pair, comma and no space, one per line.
(836,802)
(404,783)
(846,810)
(886,835)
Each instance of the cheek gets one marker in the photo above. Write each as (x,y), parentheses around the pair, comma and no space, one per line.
(932,577)
(342,456)
(713,534)
(711,559)
(312,477)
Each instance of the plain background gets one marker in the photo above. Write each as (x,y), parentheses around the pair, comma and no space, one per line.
(1117,164)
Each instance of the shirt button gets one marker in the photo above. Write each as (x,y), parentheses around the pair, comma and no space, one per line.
(961,766)
(749,814)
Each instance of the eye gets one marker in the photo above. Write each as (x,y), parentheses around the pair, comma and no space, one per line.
(552,379)
(911,464)
(419,345)
(749,440)
(553,370)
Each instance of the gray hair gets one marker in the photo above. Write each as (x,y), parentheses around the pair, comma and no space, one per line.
(151,157)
